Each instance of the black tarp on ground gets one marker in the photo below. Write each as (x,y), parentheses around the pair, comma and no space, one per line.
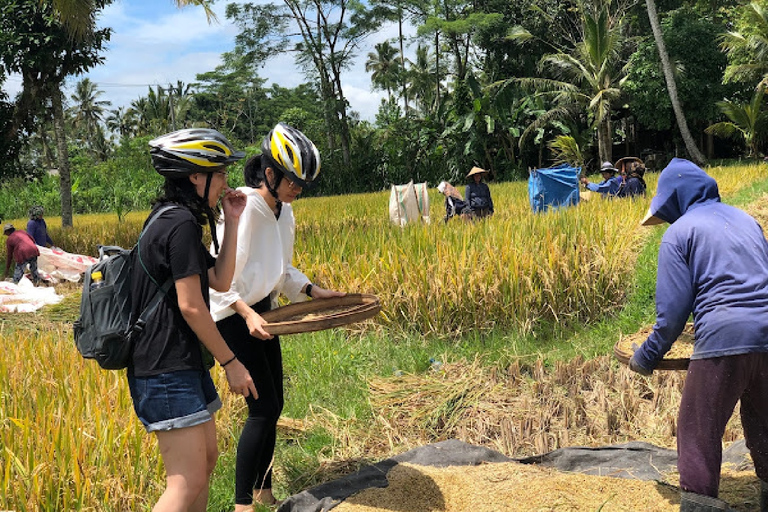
(636,460)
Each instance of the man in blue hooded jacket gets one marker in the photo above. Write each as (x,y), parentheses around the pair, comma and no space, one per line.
(713,262)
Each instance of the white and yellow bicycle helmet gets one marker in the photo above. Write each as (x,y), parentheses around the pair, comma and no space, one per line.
(192,150)
(293,154)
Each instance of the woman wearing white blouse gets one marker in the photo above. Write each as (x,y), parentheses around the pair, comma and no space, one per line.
(288,164)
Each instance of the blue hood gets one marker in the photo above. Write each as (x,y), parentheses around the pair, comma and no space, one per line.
(682,185)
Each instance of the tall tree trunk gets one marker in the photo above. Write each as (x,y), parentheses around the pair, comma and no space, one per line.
(437,71)
(65,180)
(343,119)
(47,153)
(605,140)
(690,144)
(402,58)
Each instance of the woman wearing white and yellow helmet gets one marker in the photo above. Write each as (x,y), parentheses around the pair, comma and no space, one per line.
(289,163)
(171,387)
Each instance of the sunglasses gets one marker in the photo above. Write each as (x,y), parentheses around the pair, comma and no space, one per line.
(292,184)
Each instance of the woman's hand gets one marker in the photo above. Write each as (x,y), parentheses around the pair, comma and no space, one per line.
(240,381)
(255,324)
(233,202)
(322,293)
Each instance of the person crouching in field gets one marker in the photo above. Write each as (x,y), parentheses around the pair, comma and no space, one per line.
(610,185)
(633,184)
(713,262)
(20,248)
(168,376)
(454,203)
(289,163)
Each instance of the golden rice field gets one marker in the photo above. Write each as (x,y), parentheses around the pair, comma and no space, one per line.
(69,439)
(512,271)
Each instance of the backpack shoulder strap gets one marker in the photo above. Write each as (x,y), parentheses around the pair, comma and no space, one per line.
(138,245)
(161,291)
(155,217)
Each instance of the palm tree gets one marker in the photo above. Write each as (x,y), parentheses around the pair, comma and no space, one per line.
(753,48)
(586,77)
(421,80)
(384,66)
(77,15)
(669,76)
(747,120)
(179,103)
(121,122)
(88,110)
(152,112)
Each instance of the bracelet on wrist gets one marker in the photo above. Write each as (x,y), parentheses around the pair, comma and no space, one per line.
(229,361)
(308,290)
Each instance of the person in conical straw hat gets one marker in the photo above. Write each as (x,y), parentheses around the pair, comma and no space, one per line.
(713,262)
(477,193)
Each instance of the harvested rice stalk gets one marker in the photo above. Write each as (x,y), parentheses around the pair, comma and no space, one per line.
(523,412)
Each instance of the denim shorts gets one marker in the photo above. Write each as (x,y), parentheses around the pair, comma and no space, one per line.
(174,400)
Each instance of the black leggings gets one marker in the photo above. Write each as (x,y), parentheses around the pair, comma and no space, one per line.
(256,447)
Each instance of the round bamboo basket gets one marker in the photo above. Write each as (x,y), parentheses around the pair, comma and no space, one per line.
(320,314)
(676,359)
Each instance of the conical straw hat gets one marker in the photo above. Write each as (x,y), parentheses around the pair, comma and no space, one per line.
(476,170)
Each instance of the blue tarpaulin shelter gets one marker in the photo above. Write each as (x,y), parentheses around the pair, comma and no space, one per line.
(553,187)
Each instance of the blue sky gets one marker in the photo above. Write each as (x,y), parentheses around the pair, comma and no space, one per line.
(154,42)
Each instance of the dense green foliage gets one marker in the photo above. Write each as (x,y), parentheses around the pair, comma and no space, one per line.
(507,86)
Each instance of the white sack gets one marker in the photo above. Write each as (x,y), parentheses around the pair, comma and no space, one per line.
(409,203)
(58,264)
(25,297)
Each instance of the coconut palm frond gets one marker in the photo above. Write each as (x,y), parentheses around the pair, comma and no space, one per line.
(519,34)
(556,113)
(205,4)
(724,129)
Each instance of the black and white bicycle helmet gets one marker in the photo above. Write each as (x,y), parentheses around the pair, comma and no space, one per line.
(184,152)
(293,154)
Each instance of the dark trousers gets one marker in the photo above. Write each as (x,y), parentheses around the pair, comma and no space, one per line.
(256,447)
(712,389)
(18,272)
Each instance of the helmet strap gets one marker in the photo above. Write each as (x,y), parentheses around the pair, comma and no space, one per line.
(209,212)
(273,189)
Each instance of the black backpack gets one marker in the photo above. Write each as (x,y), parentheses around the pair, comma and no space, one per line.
(105,328)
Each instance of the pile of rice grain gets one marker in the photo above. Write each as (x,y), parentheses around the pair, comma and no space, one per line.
(509,486)
(519,487)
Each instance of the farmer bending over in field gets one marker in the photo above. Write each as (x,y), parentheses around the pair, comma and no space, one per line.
(37,228)
(289,163)
(632,182)
(454,203)
(610,185)
(20,248)
(168,375)
(713,261)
